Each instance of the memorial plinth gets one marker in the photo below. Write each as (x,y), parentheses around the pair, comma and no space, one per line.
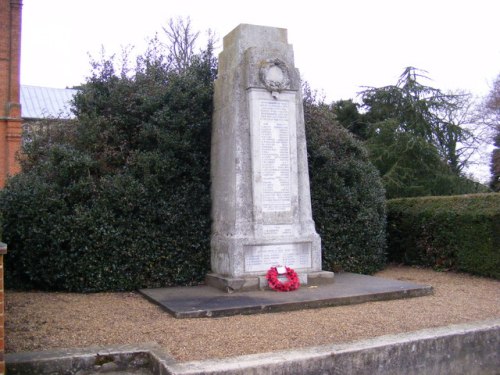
(261,204)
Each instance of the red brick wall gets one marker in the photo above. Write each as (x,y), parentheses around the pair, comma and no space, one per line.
(10,107)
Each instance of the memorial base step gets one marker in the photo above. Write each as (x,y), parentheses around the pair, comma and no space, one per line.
(251,283)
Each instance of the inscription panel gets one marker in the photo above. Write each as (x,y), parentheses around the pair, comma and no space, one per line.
(277,230)
(259,258)
(274,158)
(275,155)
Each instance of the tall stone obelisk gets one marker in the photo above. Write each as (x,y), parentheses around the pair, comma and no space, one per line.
(261,204)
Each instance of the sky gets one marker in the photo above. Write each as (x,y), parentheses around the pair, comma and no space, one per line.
(340,47)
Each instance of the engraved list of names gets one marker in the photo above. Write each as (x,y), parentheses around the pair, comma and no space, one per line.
(275,155)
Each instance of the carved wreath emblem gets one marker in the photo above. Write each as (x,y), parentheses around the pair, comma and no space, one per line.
(274,75)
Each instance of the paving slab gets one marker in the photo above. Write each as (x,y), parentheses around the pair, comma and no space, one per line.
(347,288)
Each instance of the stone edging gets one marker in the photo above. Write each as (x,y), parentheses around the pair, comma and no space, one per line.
(472,348)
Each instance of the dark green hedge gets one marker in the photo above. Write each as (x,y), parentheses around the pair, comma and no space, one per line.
(120,200)
(458,232)
(347,195)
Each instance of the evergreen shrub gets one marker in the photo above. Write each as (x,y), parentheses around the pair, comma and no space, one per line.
(459,233)
(119,200)
(347,195)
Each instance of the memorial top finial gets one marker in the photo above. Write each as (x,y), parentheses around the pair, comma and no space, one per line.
(247,36)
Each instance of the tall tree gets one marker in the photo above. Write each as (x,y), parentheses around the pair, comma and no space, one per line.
(414,134)
(418,110)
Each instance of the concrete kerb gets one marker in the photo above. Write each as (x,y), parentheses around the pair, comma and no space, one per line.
(472,348)
(91,360)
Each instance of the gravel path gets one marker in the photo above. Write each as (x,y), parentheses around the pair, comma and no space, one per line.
(37,321)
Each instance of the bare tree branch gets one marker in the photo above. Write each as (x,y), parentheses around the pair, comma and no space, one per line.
(181,42)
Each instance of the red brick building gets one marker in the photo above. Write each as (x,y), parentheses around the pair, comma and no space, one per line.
(10,107)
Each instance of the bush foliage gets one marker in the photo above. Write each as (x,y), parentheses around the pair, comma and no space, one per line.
(457,232)
(347,196)
(119,200)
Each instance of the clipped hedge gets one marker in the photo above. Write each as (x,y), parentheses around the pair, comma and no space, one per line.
(457,232)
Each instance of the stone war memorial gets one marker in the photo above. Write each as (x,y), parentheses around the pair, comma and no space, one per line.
(261,204)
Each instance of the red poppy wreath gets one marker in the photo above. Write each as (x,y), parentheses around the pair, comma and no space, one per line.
(274,282)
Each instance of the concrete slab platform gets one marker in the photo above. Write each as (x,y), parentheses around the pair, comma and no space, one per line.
(348,288)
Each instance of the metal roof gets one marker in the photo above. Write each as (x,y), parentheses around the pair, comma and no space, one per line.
(46,102)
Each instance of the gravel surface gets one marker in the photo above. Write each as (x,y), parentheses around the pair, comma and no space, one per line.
(40,321)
